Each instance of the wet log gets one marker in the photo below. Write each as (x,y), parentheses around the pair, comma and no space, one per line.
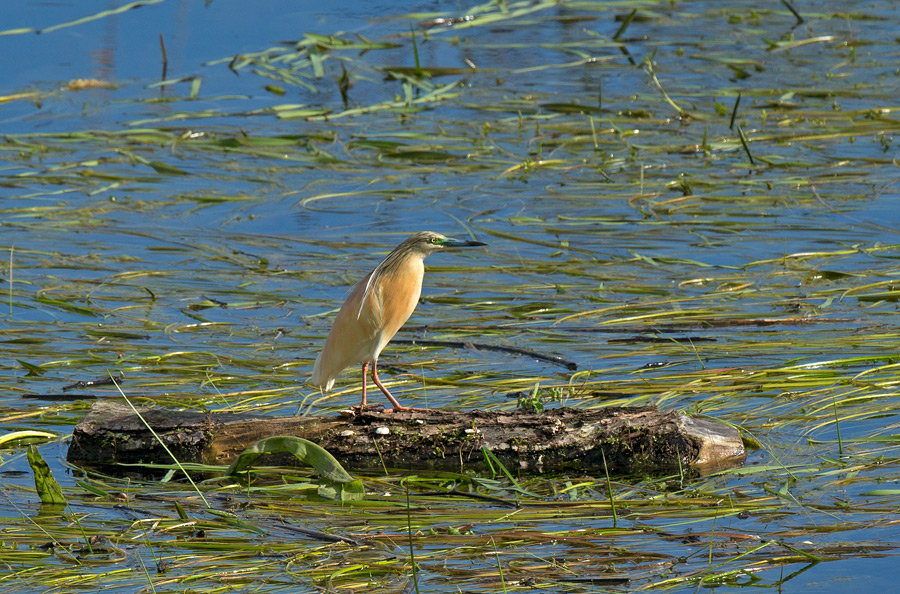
(630,439)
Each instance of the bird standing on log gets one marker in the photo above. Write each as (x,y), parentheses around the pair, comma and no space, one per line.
(377,307)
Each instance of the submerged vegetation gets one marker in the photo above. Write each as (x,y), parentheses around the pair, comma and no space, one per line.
(694,202)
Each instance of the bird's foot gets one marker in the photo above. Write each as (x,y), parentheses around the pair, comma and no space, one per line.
(361,408)
(406,409)
(355,411)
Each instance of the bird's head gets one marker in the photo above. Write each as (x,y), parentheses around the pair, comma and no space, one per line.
(428,242)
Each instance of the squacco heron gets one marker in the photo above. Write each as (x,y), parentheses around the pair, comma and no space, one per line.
(377,307)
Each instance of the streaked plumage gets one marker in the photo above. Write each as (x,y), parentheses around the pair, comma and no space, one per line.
(376,309)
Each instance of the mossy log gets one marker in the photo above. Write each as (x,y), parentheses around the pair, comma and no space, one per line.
(630,439)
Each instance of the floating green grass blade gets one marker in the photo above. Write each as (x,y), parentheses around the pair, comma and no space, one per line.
(339,483)
(881,493)
(625,22)
(492,460)
(161,167)
(34,370)
(418,69)
(100,15)
(47,488)
(746,144)
(27,436)
(234,520)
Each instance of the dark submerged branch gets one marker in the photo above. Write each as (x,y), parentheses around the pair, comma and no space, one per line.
(461,344)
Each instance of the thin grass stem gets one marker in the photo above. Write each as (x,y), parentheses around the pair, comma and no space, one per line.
(499,565)
(161,442)
(412,552)
(10,280)
(837,427)
(625,22)
(734,110)
(609,490)
(745,143)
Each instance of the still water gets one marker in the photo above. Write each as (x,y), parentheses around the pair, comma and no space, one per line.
(193,226)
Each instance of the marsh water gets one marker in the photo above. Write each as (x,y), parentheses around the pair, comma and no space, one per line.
(695,202)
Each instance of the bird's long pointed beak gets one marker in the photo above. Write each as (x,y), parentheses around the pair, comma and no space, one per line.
(456,243)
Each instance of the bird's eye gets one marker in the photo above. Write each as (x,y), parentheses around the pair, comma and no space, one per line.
(434,241)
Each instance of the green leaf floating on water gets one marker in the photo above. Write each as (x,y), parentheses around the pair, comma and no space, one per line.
(16,437)
(33,369)
(336,482)
(47,487)
(165,168)
(881,493)
(65,305)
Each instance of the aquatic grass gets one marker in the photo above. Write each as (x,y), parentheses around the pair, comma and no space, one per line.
(523,536)
(650,252)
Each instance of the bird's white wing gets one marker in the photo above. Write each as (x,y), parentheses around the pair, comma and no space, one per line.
(369,285)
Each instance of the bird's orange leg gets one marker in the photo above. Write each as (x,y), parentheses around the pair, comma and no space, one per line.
(365,369)
(394,402)
(362,407)
(378,383)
